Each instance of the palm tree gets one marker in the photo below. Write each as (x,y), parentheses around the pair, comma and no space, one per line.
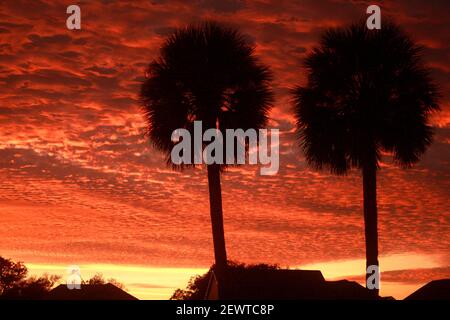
(206,72)
(367,92)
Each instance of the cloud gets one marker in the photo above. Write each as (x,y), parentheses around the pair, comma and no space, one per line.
(227,6)
(72,143)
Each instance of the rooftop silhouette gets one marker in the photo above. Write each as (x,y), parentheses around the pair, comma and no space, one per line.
(282,284)
(106,291)
(434,290)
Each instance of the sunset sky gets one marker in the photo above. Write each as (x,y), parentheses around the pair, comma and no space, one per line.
(81,184)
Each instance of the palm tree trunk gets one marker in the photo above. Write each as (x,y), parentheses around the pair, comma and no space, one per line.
(215,203)
(370,216)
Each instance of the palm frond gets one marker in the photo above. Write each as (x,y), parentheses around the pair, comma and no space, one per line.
(367,91)
(207,72)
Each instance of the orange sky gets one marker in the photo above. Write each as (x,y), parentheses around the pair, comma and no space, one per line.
(81,185)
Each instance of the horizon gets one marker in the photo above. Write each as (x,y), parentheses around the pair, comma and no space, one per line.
(159,282)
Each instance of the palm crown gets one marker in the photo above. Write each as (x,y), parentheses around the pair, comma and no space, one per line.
(367,92)
(206,72)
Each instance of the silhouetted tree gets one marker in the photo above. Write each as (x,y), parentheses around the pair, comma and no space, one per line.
(35,287)
(11,273)
(99,279)
(367,93)
(206,72)
(196,288)
(14,283)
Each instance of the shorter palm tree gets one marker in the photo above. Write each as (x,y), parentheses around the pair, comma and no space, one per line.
(367,93)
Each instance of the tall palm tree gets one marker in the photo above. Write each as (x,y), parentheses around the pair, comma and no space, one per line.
(367,92)
(206,72)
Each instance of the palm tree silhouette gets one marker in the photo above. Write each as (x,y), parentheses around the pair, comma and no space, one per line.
(367,92)
(206,72)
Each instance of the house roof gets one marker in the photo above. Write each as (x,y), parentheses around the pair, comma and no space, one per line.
(285,285)
(89,292)
(434,290)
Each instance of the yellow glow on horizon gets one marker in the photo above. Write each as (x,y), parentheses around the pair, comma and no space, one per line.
(146,282)
(142,282)
(395,262)
(354,267)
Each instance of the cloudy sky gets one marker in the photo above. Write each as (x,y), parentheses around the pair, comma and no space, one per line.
(80,184)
